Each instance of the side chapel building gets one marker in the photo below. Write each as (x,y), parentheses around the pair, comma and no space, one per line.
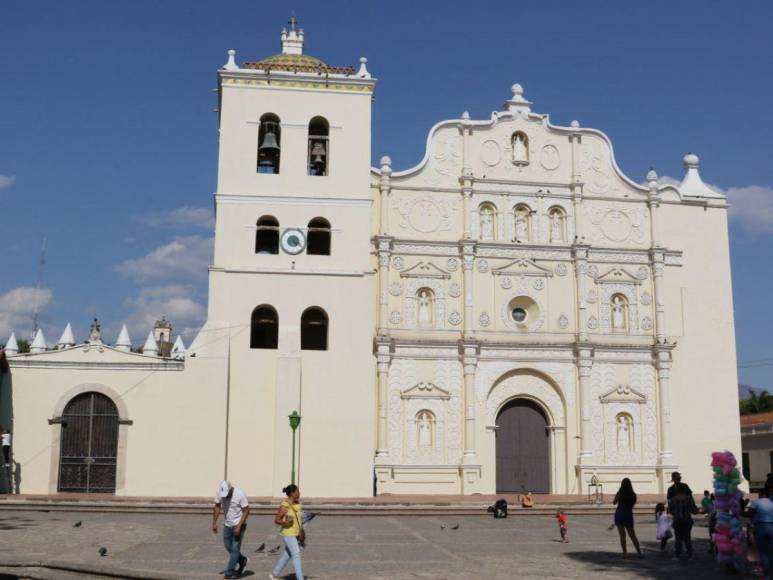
(511,313)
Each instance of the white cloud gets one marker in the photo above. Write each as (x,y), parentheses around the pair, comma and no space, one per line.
(183,260)
(752,208)
(185,216)
(6,181)
(17,307)
(177,302)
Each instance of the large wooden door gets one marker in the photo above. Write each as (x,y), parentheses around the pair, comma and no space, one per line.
(523,454)
(89,445)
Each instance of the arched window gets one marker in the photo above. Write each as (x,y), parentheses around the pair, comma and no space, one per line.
(269,144)
(557,219)
(264,327)
(267,235)
(314,323)
(318,242)
(618,313)
(625,437)
(522,216)
(425,429)
(319,146)
(520,143)
(425,307)
(487,218)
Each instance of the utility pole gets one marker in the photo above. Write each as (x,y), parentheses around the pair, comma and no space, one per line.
(36,311)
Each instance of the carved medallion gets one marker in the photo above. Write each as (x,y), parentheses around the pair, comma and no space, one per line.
(482,266)
(590,298)
(452,265)
(616,226)
(561,269)
(490,153)
(550,158)
(425,214)
(563,321)
(593,324)
(484,319)
(506,282)
(539,283)
(395,317)
(454,290)
(642,273)
(398,263)
(593,271)
(455,318)
(646,323)
(395,289)
(646,298)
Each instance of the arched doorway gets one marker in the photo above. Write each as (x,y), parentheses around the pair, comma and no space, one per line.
(523,451)
(89,445)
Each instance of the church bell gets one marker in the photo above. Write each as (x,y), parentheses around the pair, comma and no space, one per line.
(269,143)
(318,153)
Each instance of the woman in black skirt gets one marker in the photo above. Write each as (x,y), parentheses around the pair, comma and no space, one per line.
(625,499)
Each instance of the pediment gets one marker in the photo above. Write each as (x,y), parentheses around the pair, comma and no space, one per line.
(618,276)
(522,267)
(623,394)
(424,390)
(425,270)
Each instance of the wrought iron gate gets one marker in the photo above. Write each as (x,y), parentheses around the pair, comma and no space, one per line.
(89,445)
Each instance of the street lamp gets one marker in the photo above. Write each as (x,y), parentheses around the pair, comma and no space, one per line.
(295,421)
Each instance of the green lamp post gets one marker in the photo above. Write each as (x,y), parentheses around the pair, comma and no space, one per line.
(295,421)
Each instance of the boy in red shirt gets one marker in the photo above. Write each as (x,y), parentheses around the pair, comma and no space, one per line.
(561,517)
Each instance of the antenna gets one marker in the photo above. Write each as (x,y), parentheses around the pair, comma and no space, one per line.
(36,311)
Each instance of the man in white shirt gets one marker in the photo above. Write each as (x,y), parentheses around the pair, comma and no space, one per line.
(5,441)
(233,503)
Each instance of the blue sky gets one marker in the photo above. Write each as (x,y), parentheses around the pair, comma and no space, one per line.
(108,139)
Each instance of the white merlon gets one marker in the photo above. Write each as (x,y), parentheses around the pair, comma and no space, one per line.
(67,338)
(150,347)
(231,64)
(178,348)
(38,343)
(518,104)
(12,347)
(363,72)
(123,342)
(692,185)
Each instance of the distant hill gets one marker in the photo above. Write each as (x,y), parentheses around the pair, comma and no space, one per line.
(743,391)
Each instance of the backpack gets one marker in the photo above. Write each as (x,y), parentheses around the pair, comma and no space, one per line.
(499,509)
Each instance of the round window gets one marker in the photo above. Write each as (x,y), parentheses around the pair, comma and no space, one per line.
(519,314)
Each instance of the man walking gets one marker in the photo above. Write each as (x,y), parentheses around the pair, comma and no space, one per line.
(233,503)
(681,506)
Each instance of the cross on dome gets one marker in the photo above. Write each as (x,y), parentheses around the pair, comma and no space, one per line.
(292,41)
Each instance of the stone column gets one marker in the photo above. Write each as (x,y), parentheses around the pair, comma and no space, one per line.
(584,367)
(466,179)
(663,366)
(470,362)
(468,262)
(658,258)
(384,259)
(502,214)
(575,138)
(580,254)
(383,358)
(385,187)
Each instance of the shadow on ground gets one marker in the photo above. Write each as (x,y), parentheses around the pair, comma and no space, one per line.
(15,523)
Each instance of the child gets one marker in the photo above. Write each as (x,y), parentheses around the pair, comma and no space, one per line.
(664,525)
(561,517)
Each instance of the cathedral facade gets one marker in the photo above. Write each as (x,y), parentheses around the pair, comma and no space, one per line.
(513,313)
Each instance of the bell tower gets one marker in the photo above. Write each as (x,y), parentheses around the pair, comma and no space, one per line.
(292,278)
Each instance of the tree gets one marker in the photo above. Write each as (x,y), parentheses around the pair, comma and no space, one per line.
(756,402)
(24,345)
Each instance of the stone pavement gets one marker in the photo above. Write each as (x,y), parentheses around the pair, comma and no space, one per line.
(385,547)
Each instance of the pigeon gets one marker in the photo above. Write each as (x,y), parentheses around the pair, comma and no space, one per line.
(77,524)
(261,548)
(103,551)
(456,527)
(443,526)
(274,550)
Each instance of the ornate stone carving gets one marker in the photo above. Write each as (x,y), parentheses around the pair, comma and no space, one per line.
(532,386)
(642,273)
(490,153)
(591,297)
(563,322)
(484,319)
(425,214)
(560,269)
(617,224)
(395,288)
(539,283)
(593,323)
(606,291)
(646,298)
(506,282)
(593,271)
(646,324)
(594,167)
(482,266)
(550,158)
(454,290)
(455,318)
(410,301)
(395,317)
(533,322)
(445,157)
(452,265)
(398,263)
(513,252)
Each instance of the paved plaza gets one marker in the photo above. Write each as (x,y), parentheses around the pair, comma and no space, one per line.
(393,547)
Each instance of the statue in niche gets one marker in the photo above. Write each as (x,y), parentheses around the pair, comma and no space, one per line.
(425,300)
(424,424)
(486,223)
(618,313)
(521,224)
(95,332)
(625,440)
(520,149)
(556,225)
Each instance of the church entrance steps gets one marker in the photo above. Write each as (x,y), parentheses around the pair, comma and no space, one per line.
(385,505)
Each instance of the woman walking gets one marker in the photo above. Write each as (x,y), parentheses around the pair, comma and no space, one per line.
(289,517)
(761,511)
(625,499)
